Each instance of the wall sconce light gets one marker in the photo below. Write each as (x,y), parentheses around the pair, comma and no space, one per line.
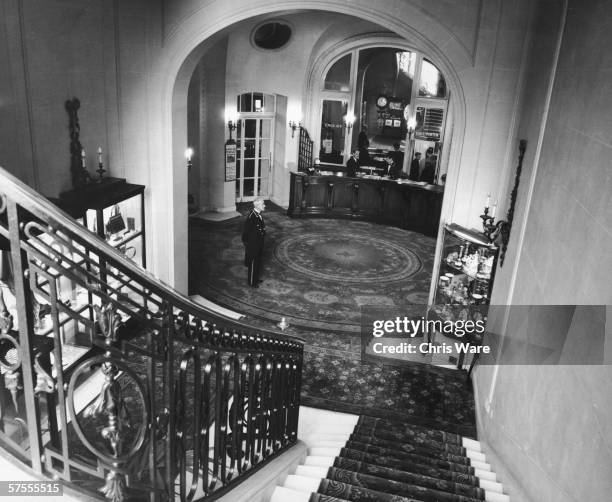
(188,156)
(293,125)
(231,125)
(500,232)
(231,117)
(349,120)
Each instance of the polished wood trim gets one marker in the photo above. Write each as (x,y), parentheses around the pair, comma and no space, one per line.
(405,205)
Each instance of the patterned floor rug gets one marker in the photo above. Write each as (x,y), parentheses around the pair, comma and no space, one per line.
(318,273)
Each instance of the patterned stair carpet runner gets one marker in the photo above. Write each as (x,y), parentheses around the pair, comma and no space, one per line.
(396,461)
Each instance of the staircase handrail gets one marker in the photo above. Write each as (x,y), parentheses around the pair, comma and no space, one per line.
(179,365)
(48,211)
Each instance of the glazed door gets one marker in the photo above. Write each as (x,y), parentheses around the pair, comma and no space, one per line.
(253,158)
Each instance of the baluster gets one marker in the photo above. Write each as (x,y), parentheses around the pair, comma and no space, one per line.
(191,355)
(218,452)
(224,405)
(249,454)
(233,449)
(244,366)
(260,410)
(205,426)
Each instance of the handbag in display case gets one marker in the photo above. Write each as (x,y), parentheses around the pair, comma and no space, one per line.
(116,223)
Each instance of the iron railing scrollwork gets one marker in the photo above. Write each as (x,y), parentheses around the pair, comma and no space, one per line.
(305,151)
(116,384)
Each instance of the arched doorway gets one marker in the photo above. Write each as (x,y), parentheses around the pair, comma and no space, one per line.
(193,48)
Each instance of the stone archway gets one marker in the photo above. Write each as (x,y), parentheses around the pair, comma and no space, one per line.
(185,42)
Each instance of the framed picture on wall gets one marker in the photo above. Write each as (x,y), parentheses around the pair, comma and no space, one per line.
(230,160)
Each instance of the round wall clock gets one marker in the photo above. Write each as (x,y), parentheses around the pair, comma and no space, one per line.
(382,101)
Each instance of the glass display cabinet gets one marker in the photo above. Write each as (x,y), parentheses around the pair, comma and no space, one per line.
(114,210)
(464,282)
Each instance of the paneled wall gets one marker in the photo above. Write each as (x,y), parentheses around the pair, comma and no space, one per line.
(550,425)
(55,50)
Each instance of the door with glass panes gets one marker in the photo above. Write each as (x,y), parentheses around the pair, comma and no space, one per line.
(253,157)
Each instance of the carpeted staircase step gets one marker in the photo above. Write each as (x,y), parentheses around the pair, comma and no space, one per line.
(439,425)
(405,431)
(421,456)
(413,425)
(398,437)
(468,448)
(407,466)
(394,457)
(392,465)
(420,465)
(346,491)
(425,494)
(470,486)
(467,490)
(356,442)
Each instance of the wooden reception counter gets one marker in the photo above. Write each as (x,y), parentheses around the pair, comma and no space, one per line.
(405,204)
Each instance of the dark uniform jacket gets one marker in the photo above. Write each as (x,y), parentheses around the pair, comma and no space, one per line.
(253,235)
(415,170)
(352,166)
(429,171)
(393,170)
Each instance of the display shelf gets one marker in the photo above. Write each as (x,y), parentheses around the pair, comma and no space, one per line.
(114,210)
(464,281)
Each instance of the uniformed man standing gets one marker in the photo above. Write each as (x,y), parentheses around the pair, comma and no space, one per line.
(253,239)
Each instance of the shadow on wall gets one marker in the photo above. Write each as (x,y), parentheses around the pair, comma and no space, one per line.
(552,335)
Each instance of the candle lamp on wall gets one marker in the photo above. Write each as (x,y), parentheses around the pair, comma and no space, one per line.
(192,206)
(349,120)
(499,232)
(231,125)
(189,156)
(231,118)
(489,227)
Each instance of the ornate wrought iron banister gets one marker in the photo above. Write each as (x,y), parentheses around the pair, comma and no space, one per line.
(118,385)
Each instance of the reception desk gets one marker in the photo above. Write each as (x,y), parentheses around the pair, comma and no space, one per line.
(404,204)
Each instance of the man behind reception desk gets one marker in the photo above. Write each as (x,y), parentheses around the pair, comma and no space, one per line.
(393,170)
(415,167)
(352,166)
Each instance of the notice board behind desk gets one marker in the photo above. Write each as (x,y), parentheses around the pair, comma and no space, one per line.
(405,204)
